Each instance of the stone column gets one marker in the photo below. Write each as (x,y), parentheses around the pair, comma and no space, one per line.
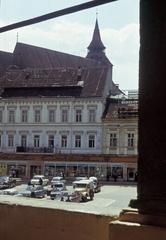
(150,206)
(152,108)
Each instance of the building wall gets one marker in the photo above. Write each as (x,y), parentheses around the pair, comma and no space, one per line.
(44,128)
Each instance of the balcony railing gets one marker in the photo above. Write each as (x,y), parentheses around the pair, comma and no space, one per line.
(35,149)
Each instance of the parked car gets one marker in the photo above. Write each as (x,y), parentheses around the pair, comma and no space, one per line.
(79,179)
(7,182)
(85,188)
(57,179)
(56,189)
(97,186)
(9,192)
(39,191)
(36,178)
(73,195)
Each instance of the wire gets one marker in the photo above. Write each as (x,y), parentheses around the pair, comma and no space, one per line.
(59,13)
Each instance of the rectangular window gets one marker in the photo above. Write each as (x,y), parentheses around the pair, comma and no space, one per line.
(0,140)
(130,140)
(10,140)
(91,141)
(64,115)
(11,116)
(77,141)
(36,141)
(51,141)
(23,140)
(78,115)
(113,140)
(64,141)
(92,114)
(37,116)
(24,116)
(1,116)
(51,116)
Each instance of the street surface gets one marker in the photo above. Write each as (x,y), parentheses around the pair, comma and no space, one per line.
(117,196)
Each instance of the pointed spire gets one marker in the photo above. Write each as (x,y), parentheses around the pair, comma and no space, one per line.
(96,47)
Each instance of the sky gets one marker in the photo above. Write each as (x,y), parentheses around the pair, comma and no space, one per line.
(118,23)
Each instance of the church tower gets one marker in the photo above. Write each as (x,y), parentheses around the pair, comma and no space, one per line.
(96,49)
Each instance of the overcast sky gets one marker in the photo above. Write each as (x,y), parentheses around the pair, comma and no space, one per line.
(118,23)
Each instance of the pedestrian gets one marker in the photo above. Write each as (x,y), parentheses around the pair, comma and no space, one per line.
(115,176)
(29,183)
(32,191)
(68,199)
(41,181)
(108,176)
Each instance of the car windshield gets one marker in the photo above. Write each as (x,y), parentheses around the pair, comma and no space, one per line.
(36,177)
(56,179)
(6,193)
(4,178)
(58,185)
(79,185)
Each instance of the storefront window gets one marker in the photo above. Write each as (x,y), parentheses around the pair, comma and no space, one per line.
(104,170)
(82,170)
(94,170)
(71,170)
(131,174)
(21,169)
(49,170)
(61,169)
(118,169)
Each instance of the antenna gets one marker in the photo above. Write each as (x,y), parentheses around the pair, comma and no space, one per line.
(17,37)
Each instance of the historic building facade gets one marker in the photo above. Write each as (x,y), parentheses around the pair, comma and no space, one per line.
(52,112)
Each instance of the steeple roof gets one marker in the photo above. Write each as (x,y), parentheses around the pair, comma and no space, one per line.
(96,47)
(96,43)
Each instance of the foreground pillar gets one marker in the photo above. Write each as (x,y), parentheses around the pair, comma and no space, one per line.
(152,108)
(147,215)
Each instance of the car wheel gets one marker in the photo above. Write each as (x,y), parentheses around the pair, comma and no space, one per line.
(84,198)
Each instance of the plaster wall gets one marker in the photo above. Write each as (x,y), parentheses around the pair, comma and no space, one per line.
(37,219)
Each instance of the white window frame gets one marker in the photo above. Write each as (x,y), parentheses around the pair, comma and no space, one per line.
(10,140)
(64,115)
(36,141)
(77,141)
(113,139)
(78,115)
(63,141)
(24,116)
(130,140)
(23,140)
(91,141)
(37,115)
(11,116)
(51,115)
(51,141)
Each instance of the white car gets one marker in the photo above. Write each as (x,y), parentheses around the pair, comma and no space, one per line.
(36,178)
(9,192)
(57,180)
(79,179)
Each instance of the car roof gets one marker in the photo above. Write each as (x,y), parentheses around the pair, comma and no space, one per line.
(10,190)
(39,176)
(85,181)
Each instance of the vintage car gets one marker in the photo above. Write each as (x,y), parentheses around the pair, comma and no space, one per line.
(85,188)
(57,179)
(7,182)
(56,189)
(39,191)
(9,192)
(36,178)
(68,196)
(78,179)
